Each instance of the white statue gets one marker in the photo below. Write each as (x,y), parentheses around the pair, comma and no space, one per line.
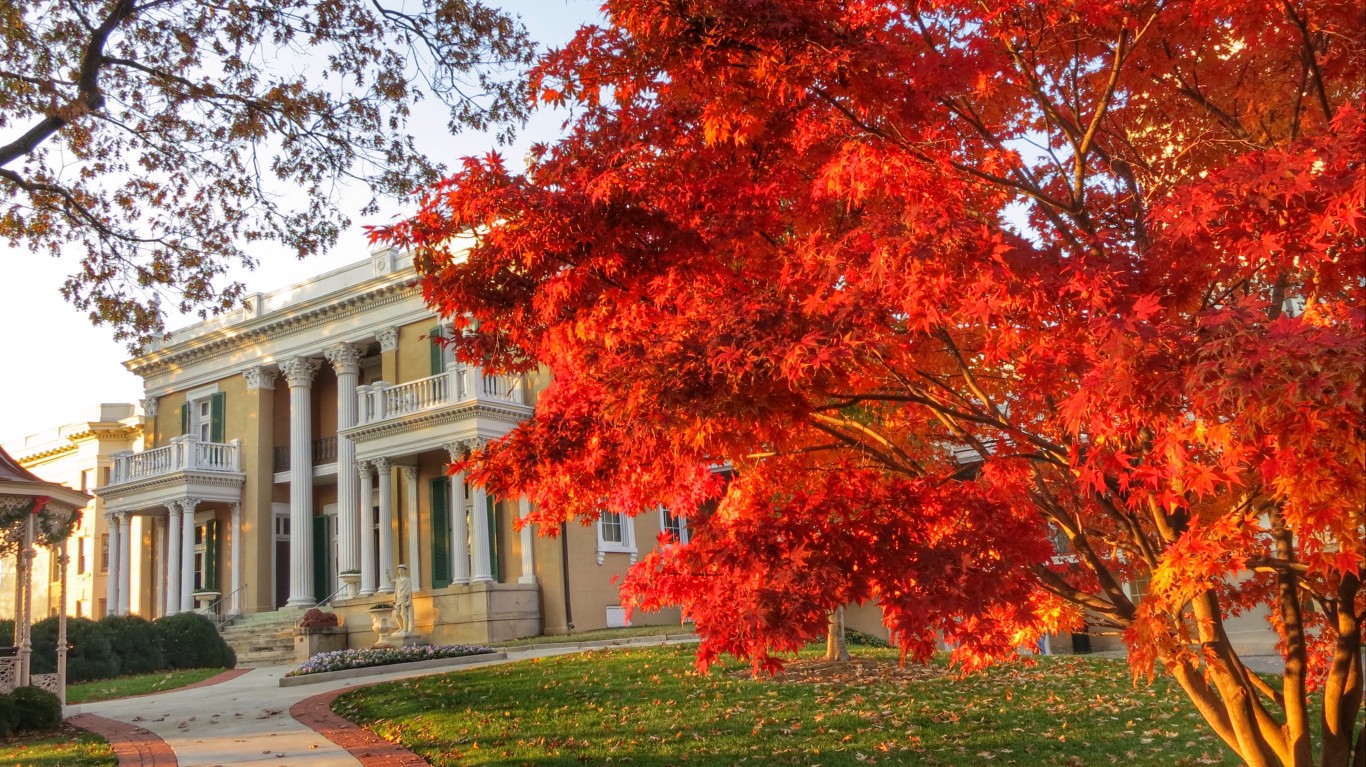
(403,602)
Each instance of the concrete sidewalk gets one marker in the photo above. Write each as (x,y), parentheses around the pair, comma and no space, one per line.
(246,721)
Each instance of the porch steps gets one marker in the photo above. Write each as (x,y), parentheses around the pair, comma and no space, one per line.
(263,639)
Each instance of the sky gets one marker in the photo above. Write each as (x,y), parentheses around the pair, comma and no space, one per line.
(61,368)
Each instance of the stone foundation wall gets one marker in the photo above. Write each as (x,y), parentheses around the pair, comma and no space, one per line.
(476,613)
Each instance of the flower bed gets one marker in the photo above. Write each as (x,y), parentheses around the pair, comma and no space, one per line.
(342,660)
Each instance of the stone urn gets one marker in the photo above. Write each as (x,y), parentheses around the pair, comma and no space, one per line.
(205,599)
(351,580)
(383,624)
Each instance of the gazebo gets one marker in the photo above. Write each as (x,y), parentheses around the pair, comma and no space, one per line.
(34,513)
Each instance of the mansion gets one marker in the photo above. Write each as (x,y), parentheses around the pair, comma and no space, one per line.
(294,453)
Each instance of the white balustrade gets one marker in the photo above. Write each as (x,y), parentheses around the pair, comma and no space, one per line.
(381,400)
(183,454)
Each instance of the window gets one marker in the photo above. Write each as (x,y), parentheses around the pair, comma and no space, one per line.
(616,534)
(675,527)
(1138,588)
(104,608)
(201,417)
(104,556)
(82,555)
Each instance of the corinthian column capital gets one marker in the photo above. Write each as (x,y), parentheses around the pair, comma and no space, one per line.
(345,358)
(299,372)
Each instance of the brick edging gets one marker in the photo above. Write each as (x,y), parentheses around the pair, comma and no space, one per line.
(226,676)
(368,748)
(134,746)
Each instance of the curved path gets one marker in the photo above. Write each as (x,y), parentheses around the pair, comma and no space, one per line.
(251,720)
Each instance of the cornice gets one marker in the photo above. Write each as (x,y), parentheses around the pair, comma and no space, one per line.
(112,493)
(57,449)
(511,414)
(277,324)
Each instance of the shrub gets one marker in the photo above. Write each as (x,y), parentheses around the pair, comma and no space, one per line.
(6,632)
(9,715)
(38,709)
(189,640)
(91,655)
(316,618)
(136,644)
(854,637)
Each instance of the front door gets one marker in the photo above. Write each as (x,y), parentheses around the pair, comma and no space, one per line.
(281,512)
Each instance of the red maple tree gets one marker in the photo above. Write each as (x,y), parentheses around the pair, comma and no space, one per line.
(945,284)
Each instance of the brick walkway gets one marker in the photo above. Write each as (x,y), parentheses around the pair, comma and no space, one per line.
(370,749)
(133,745)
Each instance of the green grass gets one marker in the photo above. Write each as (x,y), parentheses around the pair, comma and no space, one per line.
(600,634)
(75,749)
(646,707)
(143,684)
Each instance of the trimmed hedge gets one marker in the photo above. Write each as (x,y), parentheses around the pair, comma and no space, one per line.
(9,715)
(191,641)
(37,709)
(122,645)
(136,643)
(91,655)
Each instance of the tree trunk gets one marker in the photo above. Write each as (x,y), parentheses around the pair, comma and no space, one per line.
(835,648)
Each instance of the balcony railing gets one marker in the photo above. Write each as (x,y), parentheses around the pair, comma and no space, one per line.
(324,451)
(381,401)
(183,454)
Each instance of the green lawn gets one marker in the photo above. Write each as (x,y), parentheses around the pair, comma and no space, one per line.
(598,635)
(143,684)
(645,707)
(74,749)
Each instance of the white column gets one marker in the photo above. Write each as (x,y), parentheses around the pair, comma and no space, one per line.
(460,532)
(482,566)
(187,553)
(369,575)
(125,563)
(414,552)
(161,531)
(236,533)
(300,372)
(345,359)
(173,557)
(528,540)
(112,578)
(386,528)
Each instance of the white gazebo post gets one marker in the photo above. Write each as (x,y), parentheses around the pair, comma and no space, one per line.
(460,533)
(23,632)
(187,553)
(299,372)
(414,551)
(528,540)
(386,528)
(235,605)
(63,560)
(369,575)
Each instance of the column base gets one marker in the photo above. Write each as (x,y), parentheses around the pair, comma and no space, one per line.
(527,579)
(302,603)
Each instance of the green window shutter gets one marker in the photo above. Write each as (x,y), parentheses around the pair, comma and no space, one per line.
(185,418)
(438,351)
(441,532)
(322,588)
(217,407)
(211,555)
(493,539)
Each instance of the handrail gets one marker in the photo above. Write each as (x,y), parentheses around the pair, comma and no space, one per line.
(214,611)
(328,599)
